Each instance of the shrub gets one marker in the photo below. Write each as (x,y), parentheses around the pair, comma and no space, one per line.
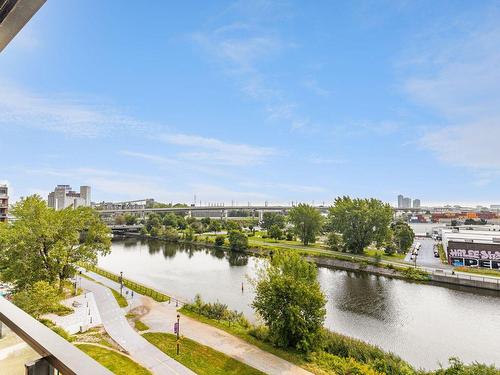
(415,274)
(219,240)
(259,332)
(335,242)
(347,347)
(238,240)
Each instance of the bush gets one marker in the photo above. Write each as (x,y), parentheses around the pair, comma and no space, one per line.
(335,242)
(170,234)
(217,311)
(259,332)
(415,274)
(219,240)
(39,299)
(238,240)
(347,347)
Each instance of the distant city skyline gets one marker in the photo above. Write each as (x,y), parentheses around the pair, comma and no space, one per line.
(260,101)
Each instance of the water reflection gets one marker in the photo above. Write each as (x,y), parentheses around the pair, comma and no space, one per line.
(424,324)
(364,294)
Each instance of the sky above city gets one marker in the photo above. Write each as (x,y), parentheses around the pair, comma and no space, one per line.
(256,101)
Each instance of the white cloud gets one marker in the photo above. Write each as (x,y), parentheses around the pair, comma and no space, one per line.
(73,116)
(459,80)
(215,151)
(150,157)
(243,48)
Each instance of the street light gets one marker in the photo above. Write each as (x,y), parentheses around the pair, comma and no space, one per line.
(121,283)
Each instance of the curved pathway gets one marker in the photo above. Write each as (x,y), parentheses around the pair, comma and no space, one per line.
(162,316)
(119,329)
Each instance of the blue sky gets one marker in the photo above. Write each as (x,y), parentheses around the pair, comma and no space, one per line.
(257,101)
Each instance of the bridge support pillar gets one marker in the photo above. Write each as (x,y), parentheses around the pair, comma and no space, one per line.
(190,213)
(261,215)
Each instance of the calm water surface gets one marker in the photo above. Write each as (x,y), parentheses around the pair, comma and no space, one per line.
(424,324)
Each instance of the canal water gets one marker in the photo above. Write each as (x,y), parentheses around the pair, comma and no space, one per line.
(424,324)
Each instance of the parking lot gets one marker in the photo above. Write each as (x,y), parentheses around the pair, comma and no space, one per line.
(426,254)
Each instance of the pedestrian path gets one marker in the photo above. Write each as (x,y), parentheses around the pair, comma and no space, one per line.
(85,314)
(119,329)
(162,316)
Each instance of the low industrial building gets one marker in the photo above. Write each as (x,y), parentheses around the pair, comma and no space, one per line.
(472,247)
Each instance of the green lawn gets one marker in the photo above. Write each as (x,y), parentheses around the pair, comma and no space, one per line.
(122,302)
(140,326)
(199,358)
(113,361)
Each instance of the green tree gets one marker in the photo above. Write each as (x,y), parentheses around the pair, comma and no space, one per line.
(275,232)
(360,221)
(153,221)
(272,218)
(181,222)
(307,222)
(215,226)
(238,240)
(403,236)
(130,219)
(335,242)
(120,220)
(46,245)
(170,220)
(170,234)
(232,225)
(39,299)
(289,299)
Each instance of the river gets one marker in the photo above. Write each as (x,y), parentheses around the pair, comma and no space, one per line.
(424,324)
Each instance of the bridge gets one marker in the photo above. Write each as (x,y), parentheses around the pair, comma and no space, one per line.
(220,211)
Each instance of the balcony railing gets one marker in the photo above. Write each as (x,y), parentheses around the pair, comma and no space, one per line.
(57,353)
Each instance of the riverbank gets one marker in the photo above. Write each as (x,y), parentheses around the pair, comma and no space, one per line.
(357,263)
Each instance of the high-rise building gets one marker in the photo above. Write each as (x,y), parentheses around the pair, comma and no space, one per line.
(400,201)
(416,203)
(406,202)
(63,196)
(4,203)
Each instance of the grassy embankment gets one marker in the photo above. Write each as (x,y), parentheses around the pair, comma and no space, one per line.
(341,354)
(373,257)
(200,358)
(338,354)
(115,362)
(136,287)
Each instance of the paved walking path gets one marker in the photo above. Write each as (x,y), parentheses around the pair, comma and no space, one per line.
(119,329)
(85,314)
(162,316)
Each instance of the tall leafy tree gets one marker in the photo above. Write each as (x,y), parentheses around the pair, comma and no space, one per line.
(45,245)
(307,222)
(237,240)
(273,218)
(360,221)
(289,299)
(403,235)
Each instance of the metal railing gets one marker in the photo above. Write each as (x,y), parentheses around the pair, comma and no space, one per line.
(57,353)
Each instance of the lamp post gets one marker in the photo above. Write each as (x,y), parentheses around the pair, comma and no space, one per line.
(121,283)
(178,332)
